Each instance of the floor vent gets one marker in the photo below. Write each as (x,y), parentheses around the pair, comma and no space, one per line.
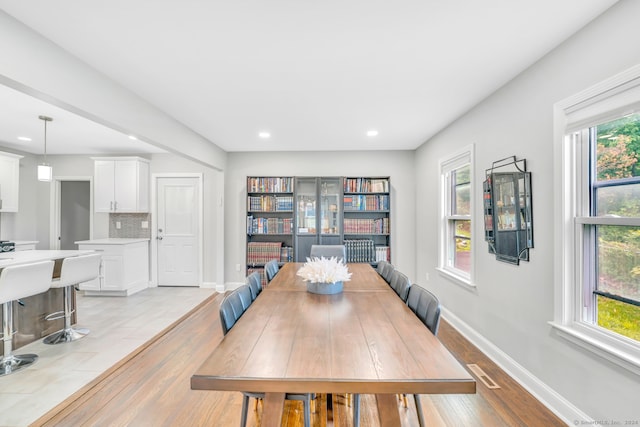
(486,380)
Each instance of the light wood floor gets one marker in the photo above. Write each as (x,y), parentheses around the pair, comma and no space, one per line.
(151,388)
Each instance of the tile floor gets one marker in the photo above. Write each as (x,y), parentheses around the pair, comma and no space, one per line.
(118,326)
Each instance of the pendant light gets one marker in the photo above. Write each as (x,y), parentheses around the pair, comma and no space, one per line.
(45,172)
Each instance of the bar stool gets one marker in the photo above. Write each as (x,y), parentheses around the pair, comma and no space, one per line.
(74,270)
(20,281)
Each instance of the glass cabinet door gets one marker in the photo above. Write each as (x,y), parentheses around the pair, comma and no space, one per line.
(306,206)
(330,195)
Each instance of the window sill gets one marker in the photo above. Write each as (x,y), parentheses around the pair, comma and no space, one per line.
(456,278)
(605,345)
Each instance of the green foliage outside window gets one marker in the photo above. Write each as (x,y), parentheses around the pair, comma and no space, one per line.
(618,264)
(619,317)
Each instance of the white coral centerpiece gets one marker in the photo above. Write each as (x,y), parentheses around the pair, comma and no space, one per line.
(324,270)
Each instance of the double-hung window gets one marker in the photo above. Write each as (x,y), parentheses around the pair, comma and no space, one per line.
(456,174)
(598,280)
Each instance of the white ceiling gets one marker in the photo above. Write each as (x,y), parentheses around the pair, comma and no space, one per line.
(67,133)
(316,75)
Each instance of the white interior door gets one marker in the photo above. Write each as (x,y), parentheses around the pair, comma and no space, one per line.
(178,231)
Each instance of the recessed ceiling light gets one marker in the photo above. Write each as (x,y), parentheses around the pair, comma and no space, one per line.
(24,138)
(133,138)
(372,132)
(264,135)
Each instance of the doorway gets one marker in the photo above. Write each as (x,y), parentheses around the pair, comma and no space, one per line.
(178,230)
(73,213)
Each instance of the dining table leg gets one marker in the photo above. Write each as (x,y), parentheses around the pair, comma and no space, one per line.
(388,410)
(272,409)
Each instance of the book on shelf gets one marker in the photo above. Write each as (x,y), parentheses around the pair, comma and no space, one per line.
(383,253)
(366,202)
(269,225)
(270,184)
(286,254)
(366,185)
(366,225)
(270,203)
(259,253)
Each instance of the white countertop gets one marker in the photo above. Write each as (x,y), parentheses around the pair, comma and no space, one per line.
(22,257)
(111,241)
(25,242)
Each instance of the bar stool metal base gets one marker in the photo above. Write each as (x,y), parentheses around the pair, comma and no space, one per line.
(66,335)
(14,363)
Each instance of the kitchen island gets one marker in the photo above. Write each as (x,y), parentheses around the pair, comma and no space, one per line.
(29,316)
(125,266)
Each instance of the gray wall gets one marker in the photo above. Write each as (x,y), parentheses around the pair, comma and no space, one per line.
(396,164)
(512,304)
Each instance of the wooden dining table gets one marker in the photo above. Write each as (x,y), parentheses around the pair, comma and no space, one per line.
(363,340)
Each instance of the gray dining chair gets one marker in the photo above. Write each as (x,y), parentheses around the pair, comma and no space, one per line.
(426,306)
(401,284)
(387,272)
(328,251)
(246,297)
(255,284)
(271,268)
(381,266)
(231,309)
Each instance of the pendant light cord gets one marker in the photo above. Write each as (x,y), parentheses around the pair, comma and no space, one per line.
(45,119)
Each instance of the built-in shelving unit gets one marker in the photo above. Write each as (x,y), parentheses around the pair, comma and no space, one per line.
(366,223)
(269,220)
(286,215)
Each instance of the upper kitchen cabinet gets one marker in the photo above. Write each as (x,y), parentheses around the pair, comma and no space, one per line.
(121,184)
(9,181)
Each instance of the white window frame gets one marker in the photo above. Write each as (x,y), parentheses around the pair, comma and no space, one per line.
(446,234)
(608,100)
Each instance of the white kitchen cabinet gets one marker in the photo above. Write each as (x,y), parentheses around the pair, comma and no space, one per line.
(9,181)
(121,184)
(124,269)
(25,245)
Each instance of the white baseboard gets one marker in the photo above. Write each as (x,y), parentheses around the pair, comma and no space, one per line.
(541,391)
(209,285)
(221,287)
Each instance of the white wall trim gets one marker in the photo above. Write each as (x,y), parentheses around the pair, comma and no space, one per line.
(212,285)
(541,391)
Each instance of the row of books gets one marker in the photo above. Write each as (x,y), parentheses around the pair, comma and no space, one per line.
(269,225)
(383,253)
(270,184)
(366,226)
(286,254)
(369,202)
(360,250)
(364,250)
(366,185)
(270,203)
(262,252)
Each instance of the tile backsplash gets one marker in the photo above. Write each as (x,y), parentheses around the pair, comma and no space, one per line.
(130,225)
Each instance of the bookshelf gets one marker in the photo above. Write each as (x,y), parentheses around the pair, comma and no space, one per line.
(366,224)
(318,213)
(269,221)
(286,215)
